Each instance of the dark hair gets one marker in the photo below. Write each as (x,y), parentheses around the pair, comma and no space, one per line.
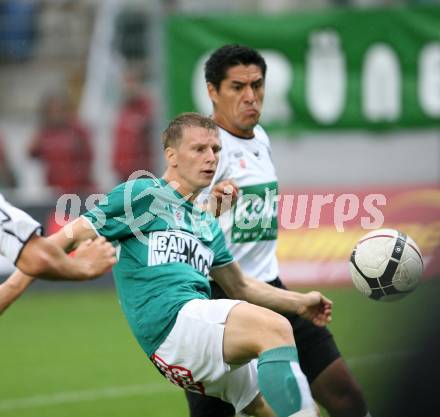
(174,132)
(230,56)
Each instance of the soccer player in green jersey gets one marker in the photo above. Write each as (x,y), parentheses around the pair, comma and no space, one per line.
(235,76)
(232,349)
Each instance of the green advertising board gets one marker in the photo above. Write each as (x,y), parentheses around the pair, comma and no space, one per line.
(340,69)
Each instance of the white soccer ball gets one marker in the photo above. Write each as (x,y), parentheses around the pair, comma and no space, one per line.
(386,265)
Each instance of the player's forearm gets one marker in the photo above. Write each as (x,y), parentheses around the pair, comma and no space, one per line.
(12,288)
(43,258)
(46,258)
(237,286)
(65,238)
(57,265)
(265,295)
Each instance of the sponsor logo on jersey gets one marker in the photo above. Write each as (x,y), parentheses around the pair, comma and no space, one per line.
(256,213)
(166,247)
(179,216)
(178,375)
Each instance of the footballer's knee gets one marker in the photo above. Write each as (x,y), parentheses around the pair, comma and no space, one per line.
(276,331)
(251,330)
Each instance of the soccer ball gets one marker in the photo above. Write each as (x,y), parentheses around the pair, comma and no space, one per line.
(386,265)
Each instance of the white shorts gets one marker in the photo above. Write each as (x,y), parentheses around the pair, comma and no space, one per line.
(192,355)
(16,228)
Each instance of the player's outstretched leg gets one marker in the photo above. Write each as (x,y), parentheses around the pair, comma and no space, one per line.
(253,331)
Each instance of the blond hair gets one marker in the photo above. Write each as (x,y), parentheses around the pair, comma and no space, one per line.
(174,132)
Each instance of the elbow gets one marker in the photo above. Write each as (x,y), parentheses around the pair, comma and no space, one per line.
(36,265)
(38,258)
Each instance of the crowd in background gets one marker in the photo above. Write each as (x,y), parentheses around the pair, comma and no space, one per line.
(56,35)
(41,36)
(64,144)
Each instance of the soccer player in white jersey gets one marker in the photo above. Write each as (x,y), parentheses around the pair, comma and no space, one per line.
(22,244)
(235,78)
(168,246)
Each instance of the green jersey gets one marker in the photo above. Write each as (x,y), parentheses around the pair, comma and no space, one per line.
(167,247)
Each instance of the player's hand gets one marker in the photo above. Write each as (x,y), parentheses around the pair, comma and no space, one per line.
(96,257)
(316,307)
(225,195)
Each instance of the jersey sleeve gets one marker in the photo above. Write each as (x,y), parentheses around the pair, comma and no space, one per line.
(16,229)
(121,212)
(222,256)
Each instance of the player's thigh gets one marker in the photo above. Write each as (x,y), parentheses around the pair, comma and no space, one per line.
(250,330)
(192,355)
(195,345)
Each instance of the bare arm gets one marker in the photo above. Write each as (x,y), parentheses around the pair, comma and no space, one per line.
(312,305)
(12,288)
(71,235)
(46,257)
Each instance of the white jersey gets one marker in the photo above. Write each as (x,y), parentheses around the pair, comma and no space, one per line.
(251,227)
(16,228)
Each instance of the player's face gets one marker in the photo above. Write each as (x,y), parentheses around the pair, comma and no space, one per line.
(196,158)
(239,100)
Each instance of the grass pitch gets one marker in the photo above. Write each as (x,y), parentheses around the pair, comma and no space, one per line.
(71,354)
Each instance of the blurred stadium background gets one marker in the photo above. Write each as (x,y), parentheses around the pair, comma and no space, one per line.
(353,109)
